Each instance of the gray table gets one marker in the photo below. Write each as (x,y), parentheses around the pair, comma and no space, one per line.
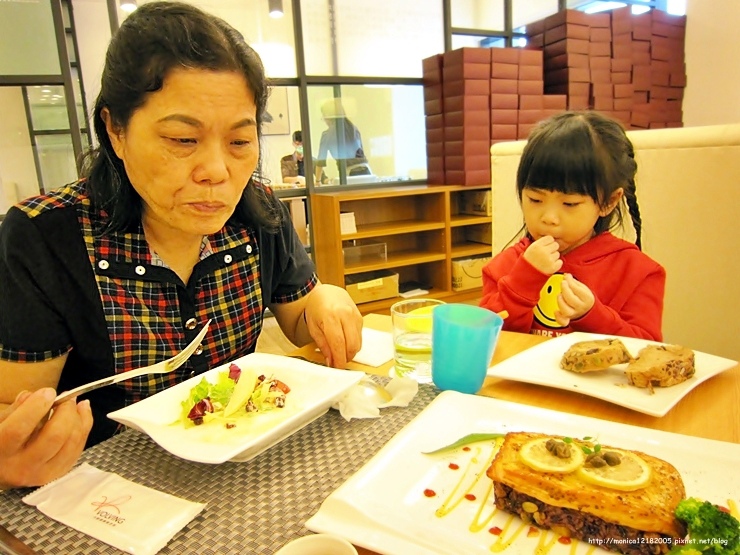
(253,507)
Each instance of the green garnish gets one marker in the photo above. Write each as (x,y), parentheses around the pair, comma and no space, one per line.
(468,439)
(585,448)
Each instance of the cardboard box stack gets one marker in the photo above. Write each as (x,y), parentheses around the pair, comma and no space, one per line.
(474,97)
(434,119)
(628,66)
(466,85)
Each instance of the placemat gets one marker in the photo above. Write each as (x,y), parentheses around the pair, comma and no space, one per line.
(253,507)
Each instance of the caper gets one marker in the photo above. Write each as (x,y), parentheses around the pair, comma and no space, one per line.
(611,458)
(558,448)
(595,460)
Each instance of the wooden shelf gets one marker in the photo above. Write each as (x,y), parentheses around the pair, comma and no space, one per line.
(470,249)
(392,228)
(421,227)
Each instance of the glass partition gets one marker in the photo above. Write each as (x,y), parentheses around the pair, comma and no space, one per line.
(367,133)
(478,14)
(384,38)
(28,45)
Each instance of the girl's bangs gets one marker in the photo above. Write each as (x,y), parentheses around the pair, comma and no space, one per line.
(564,162)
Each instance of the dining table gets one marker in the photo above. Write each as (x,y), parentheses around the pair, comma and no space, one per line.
(258,506)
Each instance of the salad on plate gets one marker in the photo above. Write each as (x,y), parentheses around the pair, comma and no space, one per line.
(236,393)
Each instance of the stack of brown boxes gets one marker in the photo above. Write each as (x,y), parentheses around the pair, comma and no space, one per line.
(474,97)
(434,119)
(651,45)
(630,67)
(533,105)
(466,81)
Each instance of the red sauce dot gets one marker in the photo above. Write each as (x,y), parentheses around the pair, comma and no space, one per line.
(495,530)
(564,540)
(430,493)
(454,466)
(470,497)
(466,448)
(533,531)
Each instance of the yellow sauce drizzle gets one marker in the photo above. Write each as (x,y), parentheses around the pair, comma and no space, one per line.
(573,546)
(477,525)
(590,550)
(448,505)
(502,542)
(544,546)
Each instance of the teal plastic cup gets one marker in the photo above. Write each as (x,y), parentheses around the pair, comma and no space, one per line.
(463,340)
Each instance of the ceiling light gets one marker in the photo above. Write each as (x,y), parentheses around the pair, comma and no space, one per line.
(128,5)
(276,8)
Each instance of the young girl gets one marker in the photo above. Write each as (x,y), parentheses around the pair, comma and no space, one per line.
(569,273)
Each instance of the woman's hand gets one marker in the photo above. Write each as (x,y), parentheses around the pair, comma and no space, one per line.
(574,301)
(335,324)
(544,255)
(35,451)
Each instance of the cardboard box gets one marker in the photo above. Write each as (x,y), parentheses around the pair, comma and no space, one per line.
(372,286)
(468,273)
(476,203)
(482,233)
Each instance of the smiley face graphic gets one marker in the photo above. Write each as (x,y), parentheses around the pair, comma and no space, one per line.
(544,312)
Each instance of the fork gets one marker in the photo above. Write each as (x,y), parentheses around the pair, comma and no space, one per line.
(162,367)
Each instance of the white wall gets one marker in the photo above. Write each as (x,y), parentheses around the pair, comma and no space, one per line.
(713,72)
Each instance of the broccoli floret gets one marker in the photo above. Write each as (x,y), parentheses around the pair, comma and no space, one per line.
(710,529)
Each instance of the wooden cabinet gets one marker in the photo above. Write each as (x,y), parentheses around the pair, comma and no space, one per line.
(421,227)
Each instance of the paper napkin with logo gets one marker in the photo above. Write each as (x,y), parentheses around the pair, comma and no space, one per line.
(131,517)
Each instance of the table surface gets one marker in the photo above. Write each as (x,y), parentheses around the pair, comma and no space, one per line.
(268,499)
(711,410)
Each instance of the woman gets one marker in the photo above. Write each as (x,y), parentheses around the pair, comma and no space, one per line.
(341,140)
(169,228)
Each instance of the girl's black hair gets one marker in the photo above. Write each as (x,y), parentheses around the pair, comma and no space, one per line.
(583,153)
(154,40)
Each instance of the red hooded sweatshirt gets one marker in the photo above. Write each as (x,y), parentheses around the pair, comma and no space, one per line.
(628,286)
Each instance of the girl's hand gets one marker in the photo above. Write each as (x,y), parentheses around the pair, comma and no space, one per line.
(543,254)
(574,301)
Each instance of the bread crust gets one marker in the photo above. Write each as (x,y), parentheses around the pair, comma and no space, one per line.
(649,509)
(594,355)
(661,366)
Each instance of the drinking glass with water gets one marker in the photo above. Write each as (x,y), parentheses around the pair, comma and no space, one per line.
(412,338)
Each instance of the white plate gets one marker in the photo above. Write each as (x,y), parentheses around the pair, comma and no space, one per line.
(313,389)
(383,506)
(541,365)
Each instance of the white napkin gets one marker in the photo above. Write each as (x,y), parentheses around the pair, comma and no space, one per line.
(134,518)
(377,348)
(358,403)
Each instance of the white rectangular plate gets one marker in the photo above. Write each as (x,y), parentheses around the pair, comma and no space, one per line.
(383,507)
(541,365)
(313,389)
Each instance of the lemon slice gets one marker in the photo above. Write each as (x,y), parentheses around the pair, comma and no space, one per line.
(535,455)
(630,474)
(420,319)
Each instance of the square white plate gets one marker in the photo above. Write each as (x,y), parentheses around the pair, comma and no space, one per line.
(313,390)
(541,365)
(383,507)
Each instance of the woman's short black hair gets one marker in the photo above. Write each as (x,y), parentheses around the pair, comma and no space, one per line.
(154,40)
(585,153)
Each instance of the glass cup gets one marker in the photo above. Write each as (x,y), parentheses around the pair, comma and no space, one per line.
(412,338)
(464,338)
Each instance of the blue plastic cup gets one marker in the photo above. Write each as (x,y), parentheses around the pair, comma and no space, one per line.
(463,340)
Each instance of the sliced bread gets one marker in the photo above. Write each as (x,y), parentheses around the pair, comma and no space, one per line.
(597,354)
(661,366)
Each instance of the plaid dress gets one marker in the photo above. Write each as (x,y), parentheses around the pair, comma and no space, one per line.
(112,305)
